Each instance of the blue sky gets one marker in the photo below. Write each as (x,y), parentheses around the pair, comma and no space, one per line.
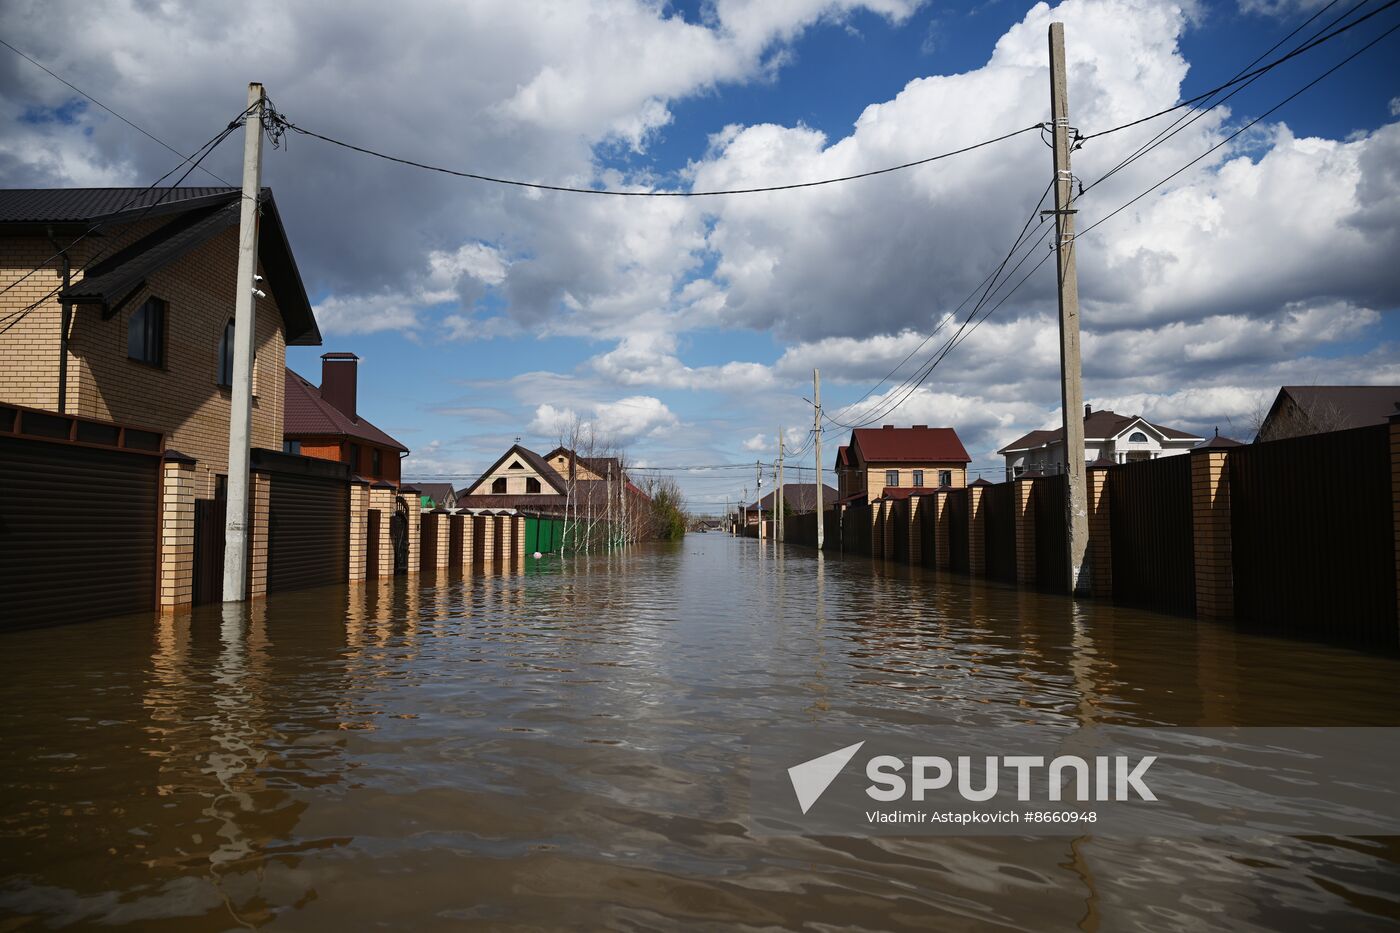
(686,332)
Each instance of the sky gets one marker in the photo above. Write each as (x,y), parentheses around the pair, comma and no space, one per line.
(685,330)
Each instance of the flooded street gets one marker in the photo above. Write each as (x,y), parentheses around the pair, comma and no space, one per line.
(566,749)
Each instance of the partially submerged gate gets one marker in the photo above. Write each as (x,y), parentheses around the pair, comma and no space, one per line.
(308,539)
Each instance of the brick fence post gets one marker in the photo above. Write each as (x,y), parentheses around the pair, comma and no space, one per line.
(468,540)
(976,530)
(507,539)
(1210,529)
(916,537)
(488,540)
(410,497)
(259,531)
(176,532)
(1025,530)
(359,531)
(381,498)
(1100,531)
(519,540)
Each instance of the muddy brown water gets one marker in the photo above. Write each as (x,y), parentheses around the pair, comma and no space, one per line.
(564,749)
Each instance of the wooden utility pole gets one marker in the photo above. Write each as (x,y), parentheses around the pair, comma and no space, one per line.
(244,326)
(1071,384)
(817,426)
(780,506)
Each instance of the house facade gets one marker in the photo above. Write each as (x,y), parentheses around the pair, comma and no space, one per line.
(918,457)
(798,498)
(520,472)
(1108,437)
(324,422)
(120,309)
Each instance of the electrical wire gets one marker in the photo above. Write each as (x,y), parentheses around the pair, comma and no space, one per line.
(13,318)
(138,128)
(1237,79)
(570,189)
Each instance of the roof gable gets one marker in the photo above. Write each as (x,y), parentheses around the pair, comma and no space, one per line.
(546,472)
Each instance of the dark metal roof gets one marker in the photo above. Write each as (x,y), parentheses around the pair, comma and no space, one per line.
(306,414)
(1357,406)
(800,497)
(200,214)
(66,207)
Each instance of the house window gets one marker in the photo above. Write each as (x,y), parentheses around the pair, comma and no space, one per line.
(918,477)
(291,447)
(532,484)
(375,462)
(1137,437)
(891,477)
(354,458)
(945,477)
(499,486)
(226,356)
(145,334)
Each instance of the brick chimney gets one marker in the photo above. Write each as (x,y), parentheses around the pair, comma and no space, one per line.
(1088,410)
(338,377)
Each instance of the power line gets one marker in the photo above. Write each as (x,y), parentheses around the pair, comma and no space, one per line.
(569,189)
(1238,78)
(13,318)
(140,129)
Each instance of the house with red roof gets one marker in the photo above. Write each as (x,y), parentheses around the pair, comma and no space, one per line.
(324,422)
(1108,437)
(877,462)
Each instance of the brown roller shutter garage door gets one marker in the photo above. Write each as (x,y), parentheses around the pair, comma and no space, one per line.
(77,532)
(308,527)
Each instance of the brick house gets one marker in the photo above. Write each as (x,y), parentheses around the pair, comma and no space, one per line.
(798,499)
(887,458)
(324,422)
(1301,410)
(128,312)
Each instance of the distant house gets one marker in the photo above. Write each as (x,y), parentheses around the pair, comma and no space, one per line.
(798,498)
(324,422)
(522,479)
(1300,410)
(437,495)
(1108,437)
(887,458)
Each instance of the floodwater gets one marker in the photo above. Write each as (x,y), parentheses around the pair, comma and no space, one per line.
(565,749)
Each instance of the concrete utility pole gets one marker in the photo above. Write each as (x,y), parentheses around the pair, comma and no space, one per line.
(817,426)
(1071,385)
(758,494)
(781,506)
(244,327)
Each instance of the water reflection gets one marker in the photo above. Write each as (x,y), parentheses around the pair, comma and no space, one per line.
(562,744)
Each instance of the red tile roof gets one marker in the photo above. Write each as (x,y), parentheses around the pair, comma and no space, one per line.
(919,443)
(307,414)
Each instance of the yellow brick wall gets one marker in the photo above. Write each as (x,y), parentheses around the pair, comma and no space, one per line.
(177,536)
(181,399)
(875,475)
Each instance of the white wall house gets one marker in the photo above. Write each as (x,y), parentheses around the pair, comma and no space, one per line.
(1107,435)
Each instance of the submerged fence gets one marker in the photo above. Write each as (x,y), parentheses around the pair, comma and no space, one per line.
(1297,535)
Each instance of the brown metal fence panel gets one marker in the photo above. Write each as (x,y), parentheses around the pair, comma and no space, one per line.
(308,531)
(899,540)
(478,533)
(1312,523)
(957,530)
(927,529)
(209,516)
(427,541)
(999,538)
(456,528)
(1154,559)
(78,532)
(372,544)
(1051,549)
